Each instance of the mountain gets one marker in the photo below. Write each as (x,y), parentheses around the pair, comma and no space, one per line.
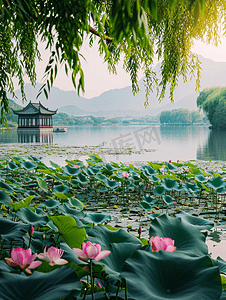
(122,102)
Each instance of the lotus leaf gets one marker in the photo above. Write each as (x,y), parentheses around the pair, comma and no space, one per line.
(69,230)
(12,230)
(154,215)
(171,167)
(168,199)
(42,184)
(102,189)
(4,198)
(188,239)
(51,204)
(120,243)
(148,171)
(28,165)
(22,203)
(159,190)
(71,171)
(96,218)
(28,216)
(171,276)
(60,189)
(192,187)
(145,205)
(82,179)
(149,199)
(7,187)
(112,184)
(201,178)
(76,203)
(71,212)
(216,182)
(200,223)
(169,184)
(12,166)
(53,285)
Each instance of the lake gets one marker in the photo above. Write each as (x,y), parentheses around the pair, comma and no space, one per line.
(158,142)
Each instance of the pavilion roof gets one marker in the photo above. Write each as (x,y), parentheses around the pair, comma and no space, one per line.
(34,109)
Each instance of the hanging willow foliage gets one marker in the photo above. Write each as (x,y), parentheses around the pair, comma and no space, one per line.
(136,30)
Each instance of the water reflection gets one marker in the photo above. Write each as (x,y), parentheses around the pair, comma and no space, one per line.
(35,137)
(215,147)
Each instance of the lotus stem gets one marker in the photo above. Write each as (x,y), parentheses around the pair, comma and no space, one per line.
(126,294)
(92,279)
(116,296)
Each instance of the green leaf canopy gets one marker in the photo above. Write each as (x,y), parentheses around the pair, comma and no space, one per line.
(53,285)
(164,275)
(187,238)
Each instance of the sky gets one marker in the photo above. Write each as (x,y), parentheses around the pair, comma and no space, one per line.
(97,77)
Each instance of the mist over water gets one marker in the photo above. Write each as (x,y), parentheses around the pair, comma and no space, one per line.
(166,142)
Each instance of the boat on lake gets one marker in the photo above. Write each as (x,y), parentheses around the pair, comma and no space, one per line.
(60,130)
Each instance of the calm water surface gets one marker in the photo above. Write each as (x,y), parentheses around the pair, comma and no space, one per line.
(168,141)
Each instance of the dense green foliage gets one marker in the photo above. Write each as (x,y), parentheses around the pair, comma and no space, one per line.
(213,103)
(134,31)
(11,117)
(63,119)
(180,116)
(62,206)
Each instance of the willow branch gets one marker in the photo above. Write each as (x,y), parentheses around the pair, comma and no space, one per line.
(94,31)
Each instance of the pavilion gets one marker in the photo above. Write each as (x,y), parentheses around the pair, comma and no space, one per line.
(36,117)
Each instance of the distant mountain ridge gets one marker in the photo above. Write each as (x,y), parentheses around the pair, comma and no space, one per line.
(121,102)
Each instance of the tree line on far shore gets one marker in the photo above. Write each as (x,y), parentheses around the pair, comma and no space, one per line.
(213,103)
(181,116)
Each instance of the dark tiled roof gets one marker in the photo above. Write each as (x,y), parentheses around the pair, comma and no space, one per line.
(34,109)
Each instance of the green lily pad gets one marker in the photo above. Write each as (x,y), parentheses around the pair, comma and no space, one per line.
(76,203)
(28,165)
(28,216)
(96,218)
(159,190)
(6,187)
(171,276)
(120,243)
(149,199)
(71,212)
(71,171)
(200,223)
(216,182)
(12,230)
(145,205)
(51,204)
(4,198)
(69,230)
(60,189)
(171,167)
(187,238)
(12,166)
(168,199)
(169,184)
(53,285)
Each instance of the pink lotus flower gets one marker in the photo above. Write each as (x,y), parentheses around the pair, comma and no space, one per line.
(23,258)
(77,166)
(170,161)
(53,256)
(175,203)
(31,230)
(124,174)
(166,244)
(91,251)
(99,285)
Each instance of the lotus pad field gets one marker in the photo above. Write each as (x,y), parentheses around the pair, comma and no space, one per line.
(98,230)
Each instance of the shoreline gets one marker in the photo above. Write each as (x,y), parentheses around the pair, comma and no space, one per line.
(59,153)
